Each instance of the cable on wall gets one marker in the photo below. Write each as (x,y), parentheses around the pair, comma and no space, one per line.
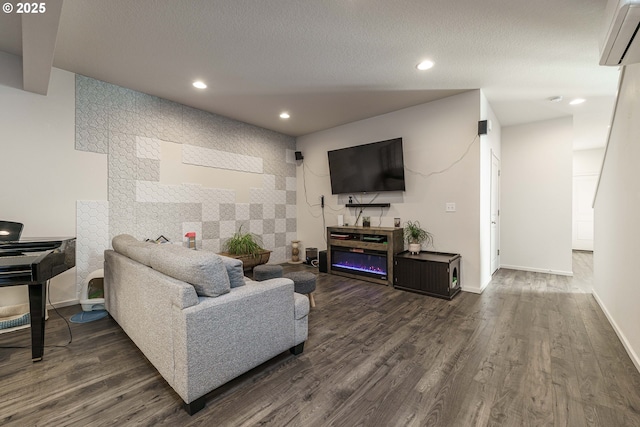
(448,167)
(322,204)
(306,198)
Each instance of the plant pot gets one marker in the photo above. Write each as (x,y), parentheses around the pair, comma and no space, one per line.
(250,261)
(415,248)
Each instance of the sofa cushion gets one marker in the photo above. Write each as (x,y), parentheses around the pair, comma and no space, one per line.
(234,271)
(133,248)
(205,271)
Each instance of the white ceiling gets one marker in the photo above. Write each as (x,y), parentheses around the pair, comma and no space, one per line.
(330,62)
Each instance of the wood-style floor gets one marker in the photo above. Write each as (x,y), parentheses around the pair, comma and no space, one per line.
(533,349)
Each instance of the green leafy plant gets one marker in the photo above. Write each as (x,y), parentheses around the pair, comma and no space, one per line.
(414,233)
(243,244)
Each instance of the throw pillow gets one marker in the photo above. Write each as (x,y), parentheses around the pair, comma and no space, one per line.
(205,271)
(234,270)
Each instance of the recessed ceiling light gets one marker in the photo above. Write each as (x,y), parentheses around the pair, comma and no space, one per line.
(199,85)
(577,101)
(425,65)
(284,115)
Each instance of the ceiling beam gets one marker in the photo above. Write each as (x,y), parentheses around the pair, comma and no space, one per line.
(39,33)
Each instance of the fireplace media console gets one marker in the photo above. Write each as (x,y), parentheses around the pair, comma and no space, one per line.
(364,253)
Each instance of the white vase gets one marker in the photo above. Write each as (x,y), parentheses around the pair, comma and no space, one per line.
(295,251)
(415,248)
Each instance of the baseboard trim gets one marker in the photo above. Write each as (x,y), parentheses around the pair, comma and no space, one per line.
(537,270)
(473,290)
(632,354)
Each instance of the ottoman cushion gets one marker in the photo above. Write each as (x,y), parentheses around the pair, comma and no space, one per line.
(266,272)
(303,281)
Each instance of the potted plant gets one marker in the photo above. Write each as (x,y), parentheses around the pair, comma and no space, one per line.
(247,248)
(415,235)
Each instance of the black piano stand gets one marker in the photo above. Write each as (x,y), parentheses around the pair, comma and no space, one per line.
(37,307)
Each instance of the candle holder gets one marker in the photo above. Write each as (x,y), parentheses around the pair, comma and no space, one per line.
(295,252)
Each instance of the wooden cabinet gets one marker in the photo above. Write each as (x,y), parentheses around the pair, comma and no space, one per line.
(431,273)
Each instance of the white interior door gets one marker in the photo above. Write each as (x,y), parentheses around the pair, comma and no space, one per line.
(495,213)
(584,187)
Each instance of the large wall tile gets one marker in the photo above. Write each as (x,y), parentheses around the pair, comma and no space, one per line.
(200,156)
(92,237)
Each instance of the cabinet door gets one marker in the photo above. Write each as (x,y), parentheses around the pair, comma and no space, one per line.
(407,273)
(435,278)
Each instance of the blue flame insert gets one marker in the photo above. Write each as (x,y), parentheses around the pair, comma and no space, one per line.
(359,261)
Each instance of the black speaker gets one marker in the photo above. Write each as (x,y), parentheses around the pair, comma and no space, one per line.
(322,266)
(482,127)
(299,155)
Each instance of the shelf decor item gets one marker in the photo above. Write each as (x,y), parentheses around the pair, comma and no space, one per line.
(191,239)
(295,251)
(366,221)
(246,248)
(415,236)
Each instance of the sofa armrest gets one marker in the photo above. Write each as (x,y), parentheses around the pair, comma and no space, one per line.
(143,301)
(223,337)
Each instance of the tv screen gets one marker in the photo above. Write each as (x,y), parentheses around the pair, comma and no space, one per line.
(367,168)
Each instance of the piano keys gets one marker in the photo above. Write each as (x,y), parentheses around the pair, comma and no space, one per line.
(32,262)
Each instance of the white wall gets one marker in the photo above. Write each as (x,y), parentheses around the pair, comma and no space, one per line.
(435,135)
(617,209)
(42,174)
(587,162)
(586,169)
(536,196)
(490,144)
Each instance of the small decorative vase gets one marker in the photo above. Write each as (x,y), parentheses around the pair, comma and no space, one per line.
(415,248)
(191,239)
(295,252)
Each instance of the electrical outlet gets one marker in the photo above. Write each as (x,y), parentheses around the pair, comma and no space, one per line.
(450,207)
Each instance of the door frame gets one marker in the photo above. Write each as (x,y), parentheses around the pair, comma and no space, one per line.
(494,217)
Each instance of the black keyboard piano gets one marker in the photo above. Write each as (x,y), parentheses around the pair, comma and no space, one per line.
(32,262)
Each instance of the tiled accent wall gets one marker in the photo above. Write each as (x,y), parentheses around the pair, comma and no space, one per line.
(92,237)
(130,127)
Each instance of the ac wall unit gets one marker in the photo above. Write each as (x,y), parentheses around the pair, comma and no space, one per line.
(620,46)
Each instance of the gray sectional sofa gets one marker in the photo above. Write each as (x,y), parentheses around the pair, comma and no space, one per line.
(195,316)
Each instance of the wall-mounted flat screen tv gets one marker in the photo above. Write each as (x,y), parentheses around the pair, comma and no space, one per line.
(367,168)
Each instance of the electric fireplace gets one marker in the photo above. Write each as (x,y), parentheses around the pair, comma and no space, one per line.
(365,253)
(363,262)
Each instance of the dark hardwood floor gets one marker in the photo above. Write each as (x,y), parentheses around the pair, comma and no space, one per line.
(533,349)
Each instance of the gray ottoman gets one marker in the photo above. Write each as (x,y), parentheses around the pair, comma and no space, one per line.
(266,272)
(303,283)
